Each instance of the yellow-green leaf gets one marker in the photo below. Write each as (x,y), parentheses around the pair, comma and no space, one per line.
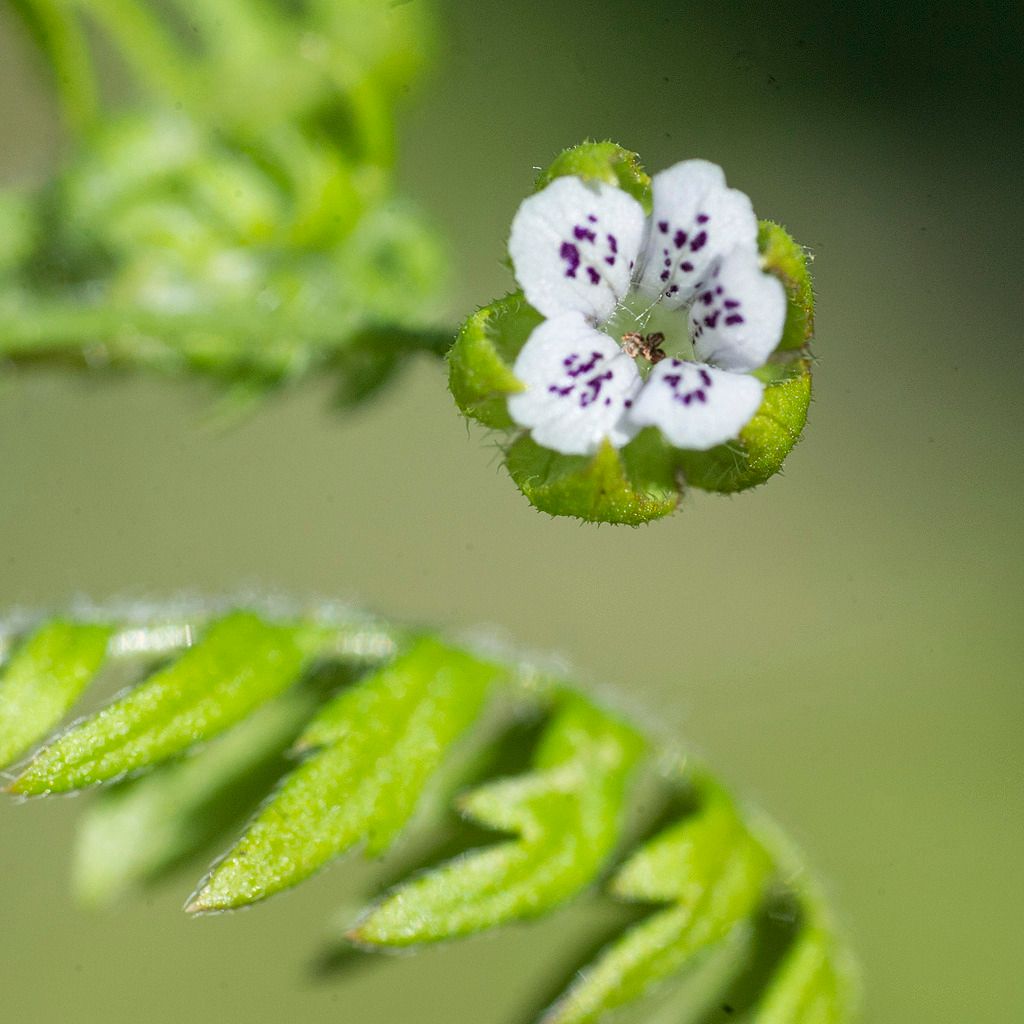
(374,748)
(566,816)
(43,680)
(712,872)
(238,663)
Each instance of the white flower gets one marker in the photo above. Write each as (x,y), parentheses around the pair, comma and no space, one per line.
(615,284)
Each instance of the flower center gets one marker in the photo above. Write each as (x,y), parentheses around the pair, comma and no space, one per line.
(647,330)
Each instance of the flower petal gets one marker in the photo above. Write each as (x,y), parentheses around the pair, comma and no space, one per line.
(574,245)
(696,218)
(694,405)
(736,320)
(579,384)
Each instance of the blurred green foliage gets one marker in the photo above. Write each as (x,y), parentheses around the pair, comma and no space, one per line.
(238,218)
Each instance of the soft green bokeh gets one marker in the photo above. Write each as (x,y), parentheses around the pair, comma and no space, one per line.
(843,645)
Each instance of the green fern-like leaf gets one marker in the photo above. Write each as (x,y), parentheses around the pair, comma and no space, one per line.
(566,817)
(378,744)
(370,728)
(43,680)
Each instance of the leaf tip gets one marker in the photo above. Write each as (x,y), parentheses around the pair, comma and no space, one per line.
(203,901)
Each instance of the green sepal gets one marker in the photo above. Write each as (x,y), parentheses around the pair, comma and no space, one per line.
(238,663)
(788,262)
(630,485)
(372,752)
(764,443)
(714,874)
(480,362)
(601,161)
(43,680)
(566,816)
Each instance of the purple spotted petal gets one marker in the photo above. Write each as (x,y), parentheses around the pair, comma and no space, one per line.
(579,385)
(696,406)
(737,316)
(574,246)
(696,218)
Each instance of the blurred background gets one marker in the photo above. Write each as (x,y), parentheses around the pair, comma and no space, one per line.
(844,645)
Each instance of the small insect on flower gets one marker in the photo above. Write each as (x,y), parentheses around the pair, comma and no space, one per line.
(637,345)
(682,291)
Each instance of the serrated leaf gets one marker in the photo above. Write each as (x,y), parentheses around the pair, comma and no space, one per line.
(375,754)
(138,829)
(566,815)
(631,485)
(238,664)
(376,746)
(43,680)
(713,872)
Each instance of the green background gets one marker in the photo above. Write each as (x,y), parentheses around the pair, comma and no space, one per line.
(843,645)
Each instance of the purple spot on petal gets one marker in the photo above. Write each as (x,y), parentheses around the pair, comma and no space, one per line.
(613,244)
(594,384)
(734,318)
(679,239)
(578,370)
(591,218)
(731,304)
(610,260)
(699,242)
(665,275)
(702,218)
(677,382)
(582,233)
(595,277)
(663,226)
(686,266)
(571,255)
